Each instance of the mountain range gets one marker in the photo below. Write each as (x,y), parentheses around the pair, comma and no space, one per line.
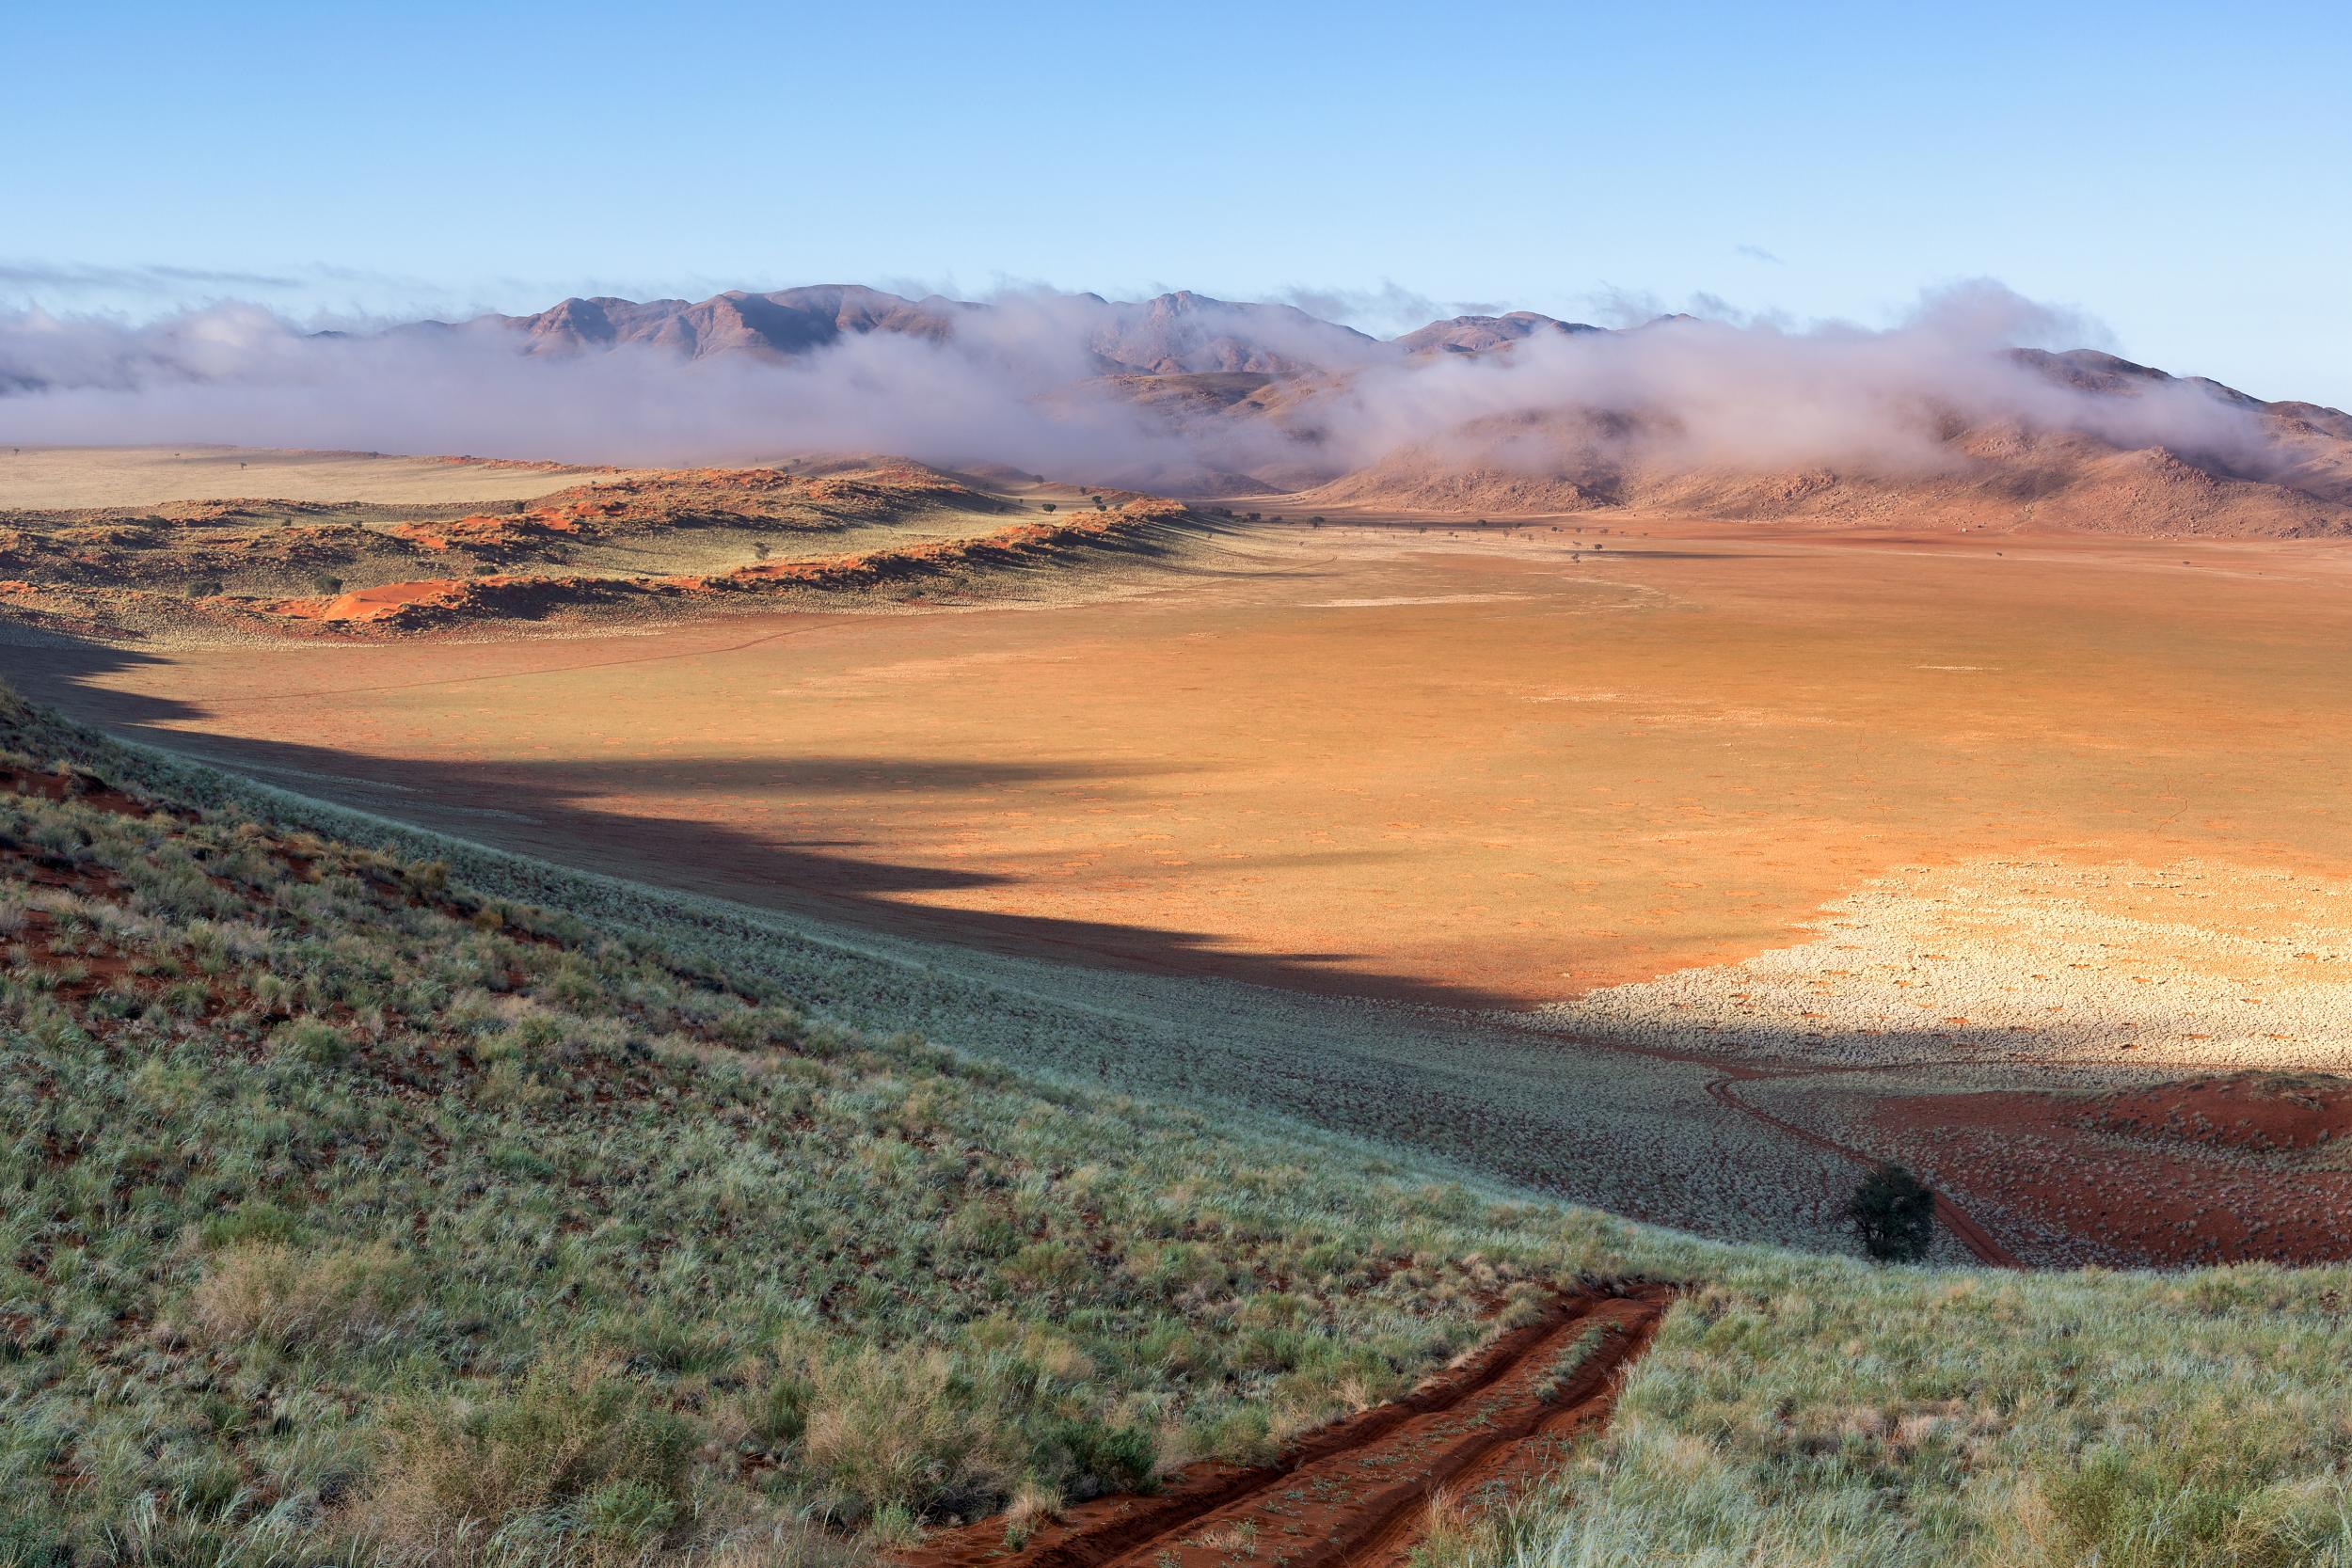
(1177,333)
(1933,423)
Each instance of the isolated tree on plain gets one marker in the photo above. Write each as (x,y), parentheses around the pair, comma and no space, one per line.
(326,583)
(1893,1213)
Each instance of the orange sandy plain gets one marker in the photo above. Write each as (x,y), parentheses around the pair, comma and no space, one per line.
(1453,767)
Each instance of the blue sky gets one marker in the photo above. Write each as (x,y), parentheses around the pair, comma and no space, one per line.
(2174,170)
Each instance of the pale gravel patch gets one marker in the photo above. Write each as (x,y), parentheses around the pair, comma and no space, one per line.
(1413,599)
(2190,963)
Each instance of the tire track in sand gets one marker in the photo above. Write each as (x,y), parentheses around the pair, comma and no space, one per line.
(1357,1492)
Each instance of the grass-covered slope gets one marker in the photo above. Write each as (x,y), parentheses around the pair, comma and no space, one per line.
(354,1214)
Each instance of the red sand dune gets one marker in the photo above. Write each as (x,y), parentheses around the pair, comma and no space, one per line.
(417,605)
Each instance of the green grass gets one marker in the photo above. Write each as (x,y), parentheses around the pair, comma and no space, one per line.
(1793,1414)
(361,1213)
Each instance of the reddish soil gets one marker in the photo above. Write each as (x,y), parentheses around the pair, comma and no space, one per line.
(384,603)
(484,533)
(2245,1110)
(89,789)
(1358,1492)
(1950,1214)
(2116,1177)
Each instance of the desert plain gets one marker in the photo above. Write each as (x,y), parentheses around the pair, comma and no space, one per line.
(1675,863)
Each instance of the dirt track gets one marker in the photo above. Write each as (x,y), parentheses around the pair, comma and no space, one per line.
(1356,1494)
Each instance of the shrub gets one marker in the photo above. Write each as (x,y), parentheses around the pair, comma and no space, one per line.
(1101,1458)
(327,583)
(1893,1213)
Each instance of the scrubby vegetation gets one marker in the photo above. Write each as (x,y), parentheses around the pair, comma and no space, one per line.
(669,541)
(350,1207)
(357,1213)
(1798,1415)
(1893,1214)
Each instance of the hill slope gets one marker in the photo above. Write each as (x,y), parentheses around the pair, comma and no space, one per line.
(2003,474)
(368,1216)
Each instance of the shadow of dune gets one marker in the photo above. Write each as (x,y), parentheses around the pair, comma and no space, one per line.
(1729,1137)
(558,811)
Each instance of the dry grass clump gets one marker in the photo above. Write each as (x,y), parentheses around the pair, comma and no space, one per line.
(574,1455)
(906,1425)
(269,1290)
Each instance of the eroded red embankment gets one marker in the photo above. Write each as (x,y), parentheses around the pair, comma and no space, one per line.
(1357,1493)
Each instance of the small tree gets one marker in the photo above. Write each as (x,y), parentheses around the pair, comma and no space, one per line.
(205,588)
(1049,506)
(1893,1212)
(327,584)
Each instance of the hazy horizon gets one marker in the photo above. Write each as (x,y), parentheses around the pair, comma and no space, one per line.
(2141,165)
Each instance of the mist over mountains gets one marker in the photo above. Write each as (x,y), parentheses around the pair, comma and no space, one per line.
(1978,405)
(1172,334)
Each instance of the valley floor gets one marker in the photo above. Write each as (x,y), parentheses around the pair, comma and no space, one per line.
(1671,868)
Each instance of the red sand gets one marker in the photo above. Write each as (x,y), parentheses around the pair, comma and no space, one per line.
(2247,1110)
(1355,1495)
(2139,1200)
(1464,775)
(386,601)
